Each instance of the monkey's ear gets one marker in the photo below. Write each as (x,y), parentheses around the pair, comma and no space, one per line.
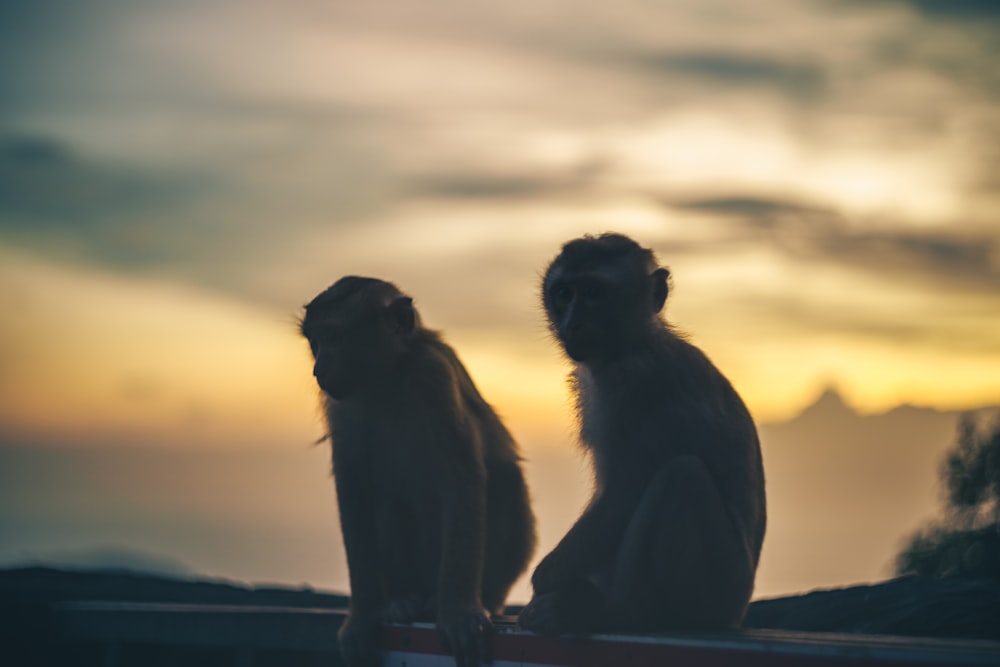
(660,280)
(402,315)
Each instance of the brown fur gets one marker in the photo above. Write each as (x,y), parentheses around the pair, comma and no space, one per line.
(673,533)
(434,508)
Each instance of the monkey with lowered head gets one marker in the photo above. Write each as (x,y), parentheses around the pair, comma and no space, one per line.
(672,535)
(434,508)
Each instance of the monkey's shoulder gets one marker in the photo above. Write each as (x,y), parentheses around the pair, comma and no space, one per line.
(669,368)
(392,450)
(431,374)
(668,401)
(443,378)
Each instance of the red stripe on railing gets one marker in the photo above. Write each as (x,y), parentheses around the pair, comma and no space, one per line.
(728,650)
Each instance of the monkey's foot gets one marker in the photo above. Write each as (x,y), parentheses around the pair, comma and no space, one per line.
(358,639)
(408,609)
(578,609)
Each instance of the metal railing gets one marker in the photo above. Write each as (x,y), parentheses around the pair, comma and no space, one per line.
(127,634)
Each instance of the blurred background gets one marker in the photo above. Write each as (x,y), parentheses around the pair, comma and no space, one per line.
(177,178)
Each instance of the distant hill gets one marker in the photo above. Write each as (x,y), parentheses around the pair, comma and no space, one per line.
(31,634)
(113,559)
(36,587)
(949,607)
(908,606)
(848,484)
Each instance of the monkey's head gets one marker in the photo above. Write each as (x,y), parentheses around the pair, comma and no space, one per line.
(357,329)
(602,295)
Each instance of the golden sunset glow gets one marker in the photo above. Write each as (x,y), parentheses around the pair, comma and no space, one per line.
(148,361)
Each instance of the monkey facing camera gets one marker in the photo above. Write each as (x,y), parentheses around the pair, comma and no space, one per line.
(434,509)
(672,535)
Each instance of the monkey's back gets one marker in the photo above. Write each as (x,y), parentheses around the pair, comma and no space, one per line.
(434,401)
(499,443)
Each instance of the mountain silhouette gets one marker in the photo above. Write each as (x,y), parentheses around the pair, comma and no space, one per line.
(850,484)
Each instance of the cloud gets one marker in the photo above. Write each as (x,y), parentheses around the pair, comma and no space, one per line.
(820,177)
(481,187)
(206,223)
(935,255)
(520,183)
(454,147)
(954,44)
(725,69)
(959,10)
(956,9)
(811,231)
(43,182)
(51,197)
(755,210)
(58,55)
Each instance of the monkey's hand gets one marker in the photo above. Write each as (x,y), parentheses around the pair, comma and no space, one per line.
(465,633)
(552,573)
(358,638)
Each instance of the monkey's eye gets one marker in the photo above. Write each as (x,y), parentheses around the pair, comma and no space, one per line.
(561,294)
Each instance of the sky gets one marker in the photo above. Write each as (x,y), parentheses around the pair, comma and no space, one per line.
(178,178)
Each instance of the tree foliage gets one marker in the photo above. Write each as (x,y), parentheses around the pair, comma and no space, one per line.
(971,473)
(967,541)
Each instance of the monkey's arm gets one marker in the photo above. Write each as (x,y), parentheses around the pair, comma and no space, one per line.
(357,525)
(592,541)
(462,621)
(463,537)
(359,633)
